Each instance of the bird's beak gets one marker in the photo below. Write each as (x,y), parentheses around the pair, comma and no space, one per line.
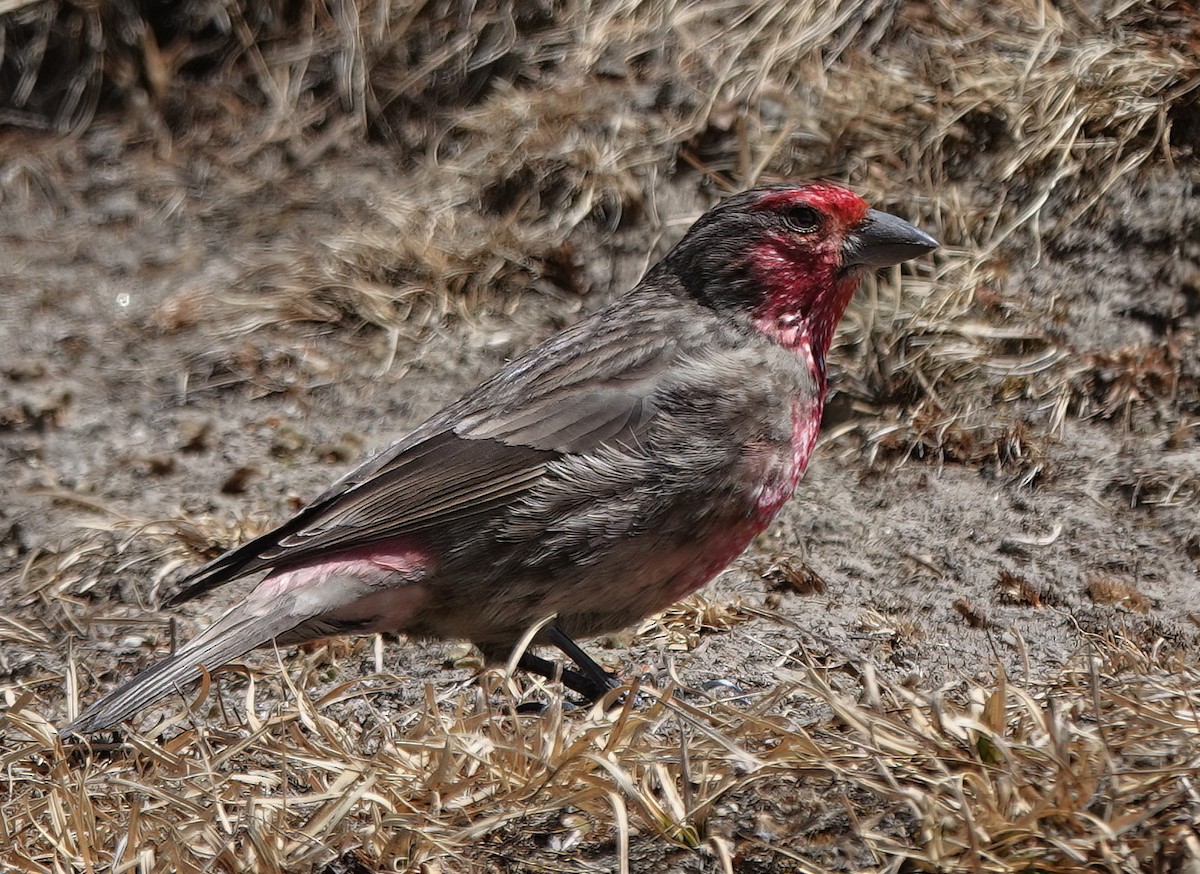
(882,239)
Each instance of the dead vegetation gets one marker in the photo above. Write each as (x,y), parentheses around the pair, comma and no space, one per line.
(519,138)
(525,125)
(1092,771)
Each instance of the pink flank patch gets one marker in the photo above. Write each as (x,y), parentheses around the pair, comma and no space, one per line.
(372,588)
(389,563)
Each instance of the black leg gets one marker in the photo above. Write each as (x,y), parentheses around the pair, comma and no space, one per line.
(590,680)
(583,684)
(599,680)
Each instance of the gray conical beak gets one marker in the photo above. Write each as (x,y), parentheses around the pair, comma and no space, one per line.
(882,239)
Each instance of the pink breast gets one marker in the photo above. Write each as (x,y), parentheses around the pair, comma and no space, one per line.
(780,481)
(777,478)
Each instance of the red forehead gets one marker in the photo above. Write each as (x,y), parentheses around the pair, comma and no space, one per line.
(833,200)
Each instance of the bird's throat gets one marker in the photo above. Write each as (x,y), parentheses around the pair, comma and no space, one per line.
(801,314)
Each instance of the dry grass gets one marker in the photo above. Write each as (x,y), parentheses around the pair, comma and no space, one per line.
(1092,771)
(523,126)
(526,134)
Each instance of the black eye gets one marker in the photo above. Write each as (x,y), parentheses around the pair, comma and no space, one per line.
(804,219)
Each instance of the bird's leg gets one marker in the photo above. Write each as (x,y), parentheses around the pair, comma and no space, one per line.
(590,680)
(593,681)
(573,680)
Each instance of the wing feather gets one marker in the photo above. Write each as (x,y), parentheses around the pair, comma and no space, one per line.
(579,390)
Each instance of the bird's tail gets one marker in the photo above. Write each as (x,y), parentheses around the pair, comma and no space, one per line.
(242,629)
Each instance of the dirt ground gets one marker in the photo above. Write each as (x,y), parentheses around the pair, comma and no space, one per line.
(165,392)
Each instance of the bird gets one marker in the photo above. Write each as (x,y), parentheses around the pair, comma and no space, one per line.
(594,480)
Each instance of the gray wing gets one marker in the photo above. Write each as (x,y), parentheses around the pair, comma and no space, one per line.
(590,385)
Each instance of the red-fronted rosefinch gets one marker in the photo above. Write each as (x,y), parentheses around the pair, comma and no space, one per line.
(612,470)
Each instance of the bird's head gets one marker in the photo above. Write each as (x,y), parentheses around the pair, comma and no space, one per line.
(789,258)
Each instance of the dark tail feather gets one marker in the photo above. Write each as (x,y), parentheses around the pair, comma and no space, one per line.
(233,635)
(237,562)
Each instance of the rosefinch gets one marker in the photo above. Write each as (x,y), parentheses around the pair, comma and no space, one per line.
(598,478)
